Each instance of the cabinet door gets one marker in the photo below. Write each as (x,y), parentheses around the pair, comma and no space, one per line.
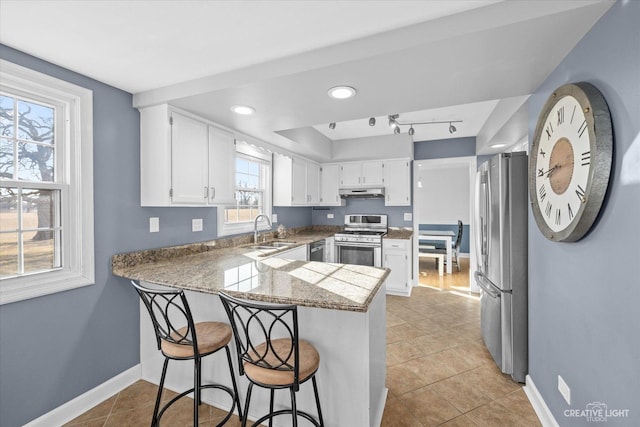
(299,182)
(372,173)
(313,184)
(222,167)
(350,174)
(189,158)
(397,183)
(396,258)
(329,183)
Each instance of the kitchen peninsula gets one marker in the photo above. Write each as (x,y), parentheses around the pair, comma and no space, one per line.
(341,311)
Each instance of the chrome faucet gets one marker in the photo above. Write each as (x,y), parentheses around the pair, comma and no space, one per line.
(255,226)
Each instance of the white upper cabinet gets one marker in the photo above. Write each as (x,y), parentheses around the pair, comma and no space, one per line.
(296,182)
(189,165)
(397,182)
(361,174)
(184,161)
(329,184)
(222,167)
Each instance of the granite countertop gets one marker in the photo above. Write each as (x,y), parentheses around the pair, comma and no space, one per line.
(234,266)
(399,233)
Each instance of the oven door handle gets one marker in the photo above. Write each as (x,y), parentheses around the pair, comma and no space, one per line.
(359,245)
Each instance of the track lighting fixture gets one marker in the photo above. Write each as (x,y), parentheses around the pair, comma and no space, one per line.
(332,125)
(372,121)
(395,125)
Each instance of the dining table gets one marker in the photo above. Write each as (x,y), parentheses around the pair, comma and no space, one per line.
(439,235)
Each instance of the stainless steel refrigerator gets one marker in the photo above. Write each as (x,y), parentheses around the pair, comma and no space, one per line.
(501,205)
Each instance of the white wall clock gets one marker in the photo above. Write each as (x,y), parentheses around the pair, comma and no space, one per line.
(570,162)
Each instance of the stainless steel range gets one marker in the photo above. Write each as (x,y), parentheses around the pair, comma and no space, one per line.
(361,241)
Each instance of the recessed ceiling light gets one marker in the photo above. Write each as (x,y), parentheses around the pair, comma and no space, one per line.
(342,92)
(244,110)
(498,145)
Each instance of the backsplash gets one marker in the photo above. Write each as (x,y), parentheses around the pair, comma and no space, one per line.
(361,206)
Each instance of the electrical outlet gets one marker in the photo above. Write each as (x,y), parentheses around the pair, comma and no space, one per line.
(330,216)
(274,218)
(196,224)
(154,224)
(564,390)
(408,216)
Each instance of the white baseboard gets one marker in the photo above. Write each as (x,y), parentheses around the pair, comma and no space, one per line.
(542,410)
(81,404)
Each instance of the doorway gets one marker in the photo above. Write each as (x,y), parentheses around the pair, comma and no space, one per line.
(443,193)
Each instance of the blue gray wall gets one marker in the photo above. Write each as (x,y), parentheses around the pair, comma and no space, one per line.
(57,347)
(444,148)
(584,315)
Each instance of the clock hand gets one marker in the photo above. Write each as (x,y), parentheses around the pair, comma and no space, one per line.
(549,172)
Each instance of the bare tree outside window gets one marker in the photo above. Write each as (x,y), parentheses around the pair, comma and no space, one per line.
(29,212)
(249,191)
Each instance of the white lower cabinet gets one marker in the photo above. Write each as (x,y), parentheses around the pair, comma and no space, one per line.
(299,253)
(396,255)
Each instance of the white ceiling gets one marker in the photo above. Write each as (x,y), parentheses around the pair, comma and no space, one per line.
(425,60)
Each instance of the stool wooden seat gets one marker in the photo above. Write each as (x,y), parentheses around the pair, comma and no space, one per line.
(270,353)
(167,308)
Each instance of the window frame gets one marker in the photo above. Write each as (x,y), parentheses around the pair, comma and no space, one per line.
(245,150)
(74,164)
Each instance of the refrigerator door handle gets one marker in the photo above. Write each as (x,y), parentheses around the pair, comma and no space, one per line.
(486,285)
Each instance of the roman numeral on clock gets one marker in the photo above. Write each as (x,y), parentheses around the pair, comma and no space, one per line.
(586,158)
(549,130)
(582,128)
(547,210)
(558,217)
(542,193)
(573,113)
(570,211)
(560,116)
(580,193)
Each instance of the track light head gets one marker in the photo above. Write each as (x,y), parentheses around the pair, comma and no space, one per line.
(332,125)
(411,131)
(372,121)
(452,128)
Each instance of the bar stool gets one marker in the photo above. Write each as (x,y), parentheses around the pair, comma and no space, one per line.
(169,308)
(270,353)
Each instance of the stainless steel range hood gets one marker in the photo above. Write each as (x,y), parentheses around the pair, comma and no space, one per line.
(363,193)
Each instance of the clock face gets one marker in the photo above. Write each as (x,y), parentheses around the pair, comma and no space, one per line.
(563,164)
(570,162)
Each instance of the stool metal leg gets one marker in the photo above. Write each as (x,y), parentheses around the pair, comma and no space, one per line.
(315,392)
(154,420)
(246,405)
(233,382)
(196,391)
(294,410)
(272,391)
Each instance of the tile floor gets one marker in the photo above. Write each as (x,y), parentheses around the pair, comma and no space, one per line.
(438,371)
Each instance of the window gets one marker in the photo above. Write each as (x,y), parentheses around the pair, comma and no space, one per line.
(46,185)
(252,182)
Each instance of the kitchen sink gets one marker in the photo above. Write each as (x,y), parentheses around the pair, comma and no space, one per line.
(272,245)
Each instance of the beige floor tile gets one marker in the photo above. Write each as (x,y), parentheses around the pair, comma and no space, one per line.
(98,412)
(429,408)
(401,379)
(428,370)
(496,415)
(396,415)
(403,351)
(461,421)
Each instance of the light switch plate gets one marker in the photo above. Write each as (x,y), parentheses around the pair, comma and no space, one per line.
(154,224)
(564,390)
(196,224)
(408,216)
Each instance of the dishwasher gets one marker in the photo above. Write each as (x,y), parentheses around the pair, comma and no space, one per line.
(316,251)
